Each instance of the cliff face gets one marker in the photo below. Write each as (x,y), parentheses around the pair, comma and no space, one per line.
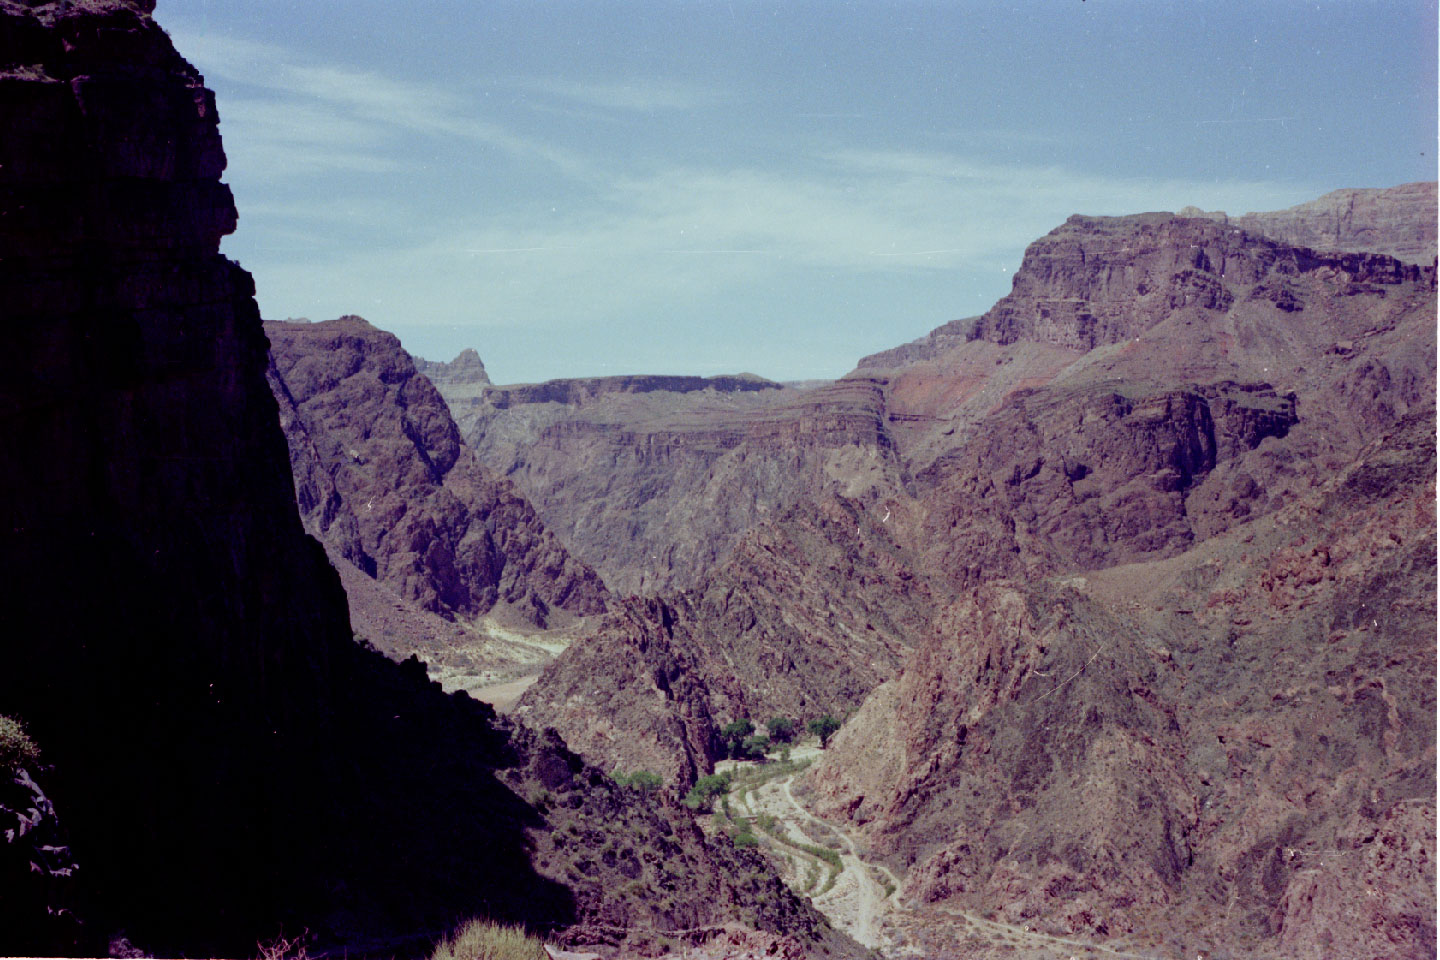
(466,369)
(1156,490)
(1399,221)
(384,482)
(166,607)
(808,615)
(652,481)
(1174,754)
(1103,280)
(226,760)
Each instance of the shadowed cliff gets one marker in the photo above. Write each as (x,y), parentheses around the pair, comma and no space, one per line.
(225,761)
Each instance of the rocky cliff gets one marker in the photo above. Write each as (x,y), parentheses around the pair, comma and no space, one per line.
(467,369)
(808,615)
(226,761)
(1173,755)
(652,481)
(1076,746)
(1399,221)
(383,480)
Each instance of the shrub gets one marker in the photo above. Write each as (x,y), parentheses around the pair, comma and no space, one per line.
(16,748)
(487,940)
(641,780)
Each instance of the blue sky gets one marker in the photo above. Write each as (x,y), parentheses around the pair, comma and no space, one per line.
(588,188)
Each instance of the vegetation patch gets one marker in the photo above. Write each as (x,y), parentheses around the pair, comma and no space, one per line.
(16,748)
(487,940)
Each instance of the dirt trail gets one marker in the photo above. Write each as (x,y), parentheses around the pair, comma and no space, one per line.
(859,905)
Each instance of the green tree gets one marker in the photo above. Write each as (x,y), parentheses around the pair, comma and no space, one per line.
(16,748)
(824,727)
(702,795)
(754,748)
(734,734)
(782,729)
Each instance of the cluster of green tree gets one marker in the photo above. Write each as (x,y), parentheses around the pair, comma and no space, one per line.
(743,743)
(642,781)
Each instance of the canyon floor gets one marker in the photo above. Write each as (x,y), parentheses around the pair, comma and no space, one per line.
(867,899)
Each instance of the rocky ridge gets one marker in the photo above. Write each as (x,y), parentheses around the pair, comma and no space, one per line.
(383,480)
(467,369)
(1399,221)
(227,762)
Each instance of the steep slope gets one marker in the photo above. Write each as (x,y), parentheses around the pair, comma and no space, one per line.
(653,480)
(809,614)
(1172,752)
(1224,435)
(383,481)
(224,760)
(1121,495)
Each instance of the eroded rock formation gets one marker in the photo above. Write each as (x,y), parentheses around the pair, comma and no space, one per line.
(1399,221)
(1134,528)
(383,480)
(654,480)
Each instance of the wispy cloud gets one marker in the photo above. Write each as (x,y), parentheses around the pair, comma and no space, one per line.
(292,105)
(650,96)
(684,236)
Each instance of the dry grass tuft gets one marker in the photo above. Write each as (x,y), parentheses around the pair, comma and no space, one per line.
(487,940)
(16,748)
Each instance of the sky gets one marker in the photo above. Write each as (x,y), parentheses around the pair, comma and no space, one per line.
(593,188)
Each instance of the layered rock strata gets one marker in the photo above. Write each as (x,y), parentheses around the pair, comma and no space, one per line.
(1399,221)
(652,481)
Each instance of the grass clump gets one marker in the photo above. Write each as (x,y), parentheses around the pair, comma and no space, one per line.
(16,748)
(487,940)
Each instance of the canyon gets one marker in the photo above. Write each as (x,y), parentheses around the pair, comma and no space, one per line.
(1123,593)
(1080,543)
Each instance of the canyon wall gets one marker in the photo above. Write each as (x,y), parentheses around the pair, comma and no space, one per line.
(225,761)
(383,480)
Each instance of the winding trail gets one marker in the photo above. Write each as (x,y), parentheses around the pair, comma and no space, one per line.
(859,905)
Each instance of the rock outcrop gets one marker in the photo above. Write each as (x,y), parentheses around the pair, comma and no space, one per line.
(467,369)
(1399,221)
(383,480)
(807,616)
(1103,280)
(1183,754)
(227,762)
